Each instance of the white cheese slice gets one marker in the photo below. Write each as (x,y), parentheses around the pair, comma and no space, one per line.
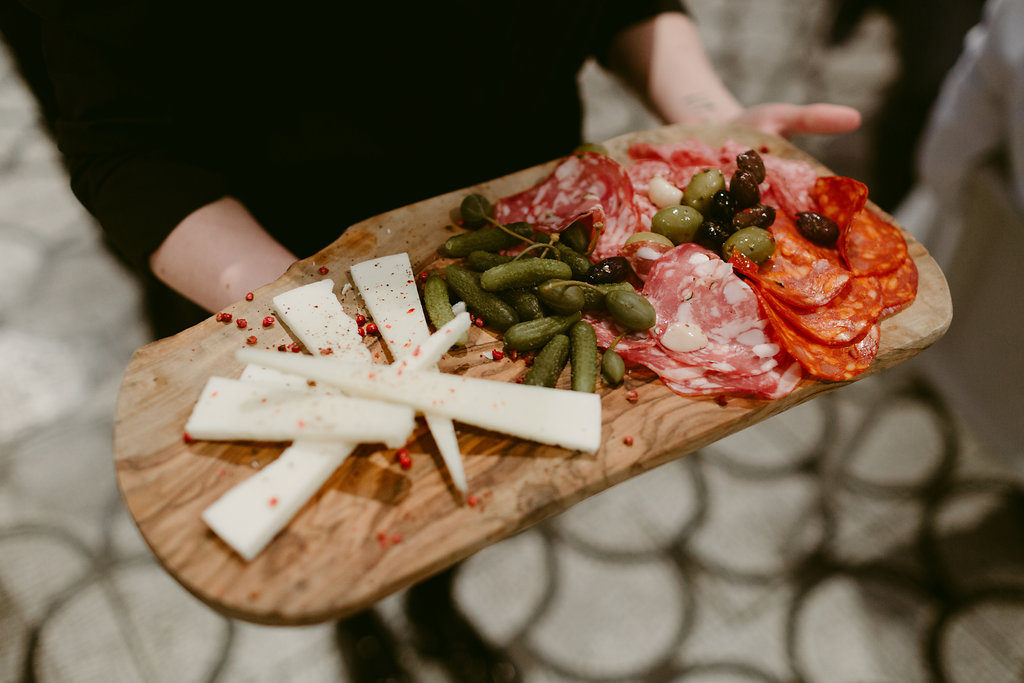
(315,317)
(388,288)
(230,409)
(570,419)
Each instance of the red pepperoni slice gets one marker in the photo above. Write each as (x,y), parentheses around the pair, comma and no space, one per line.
(642,256)
(843,319)
(590,187)
(872,245)
(824,361)
(706,315)
(899,288)
(840,198)
(799,272)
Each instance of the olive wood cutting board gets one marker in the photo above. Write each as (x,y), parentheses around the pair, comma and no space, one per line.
(374,527)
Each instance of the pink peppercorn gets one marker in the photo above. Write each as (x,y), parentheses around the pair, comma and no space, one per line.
(241,322)
(268,321)
(249,296)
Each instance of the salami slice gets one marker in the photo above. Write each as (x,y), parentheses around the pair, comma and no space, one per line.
(843,319)
(706,315)
(688,153)
(840,198)
(824,361)
(799,272)
(590,187)
(898,288)
(775,383)
(872,245)
(642,256)
(789,185)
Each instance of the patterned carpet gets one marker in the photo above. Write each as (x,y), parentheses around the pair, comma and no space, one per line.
(865,536)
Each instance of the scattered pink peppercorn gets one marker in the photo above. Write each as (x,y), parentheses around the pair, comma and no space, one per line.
(323,270)
(361,331)
(628,440)
(396,538)
(371,328)
(249,296)
(251,339)
(472,500)
(424,275)
(721,400)
(479,322)
(513,354)
(403,458)
(382,538)
(268,321)
(187,438)
(632,396)
(294,347)
(282,347)
(242,323)
(272,502)
(360,319)
(497,354)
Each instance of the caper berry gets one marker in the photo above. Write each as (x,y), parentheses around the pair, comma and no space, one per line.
(678,223)
(630,310)
(613,368)
(819,229)
(702,188)
(475,210)
(752,161)
(561,297)
(592,147)
(648,237)
(744,190)
(754,243)
(611,269)
(576,236)
(722,208)
(761,216)
(711,236)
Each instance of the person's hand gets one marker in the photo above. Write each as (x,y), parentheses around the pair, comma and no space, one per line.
(788,120)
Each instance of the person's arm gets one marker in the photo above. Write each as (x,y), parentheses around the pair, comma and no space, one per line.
(664,61)
(217,254)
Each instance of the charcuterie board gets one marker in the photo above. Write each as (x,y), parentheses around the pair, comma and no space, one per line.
(376,527)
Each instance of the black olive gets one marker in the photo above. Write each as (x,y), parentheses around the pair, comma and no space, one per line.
(744,190)
(760,216)
(819,229)
(711,236)
(612,269)
(752,161)
(722,208)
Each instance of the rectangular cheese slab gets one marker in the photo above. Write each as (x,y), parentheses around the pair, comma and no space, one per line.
(315,317)
(570,419)
(230,409)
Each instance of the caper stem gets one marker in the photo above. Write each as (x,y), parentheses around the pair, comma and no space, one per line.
(579,283)
(505,228)
(616,341)
(534,245)
(594,237)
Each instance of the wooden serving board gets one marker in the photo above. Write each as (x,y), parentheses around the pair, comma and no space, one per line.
(331,561)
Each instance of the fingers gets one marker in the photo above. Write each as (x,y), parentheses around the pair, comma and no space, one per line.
(788,120)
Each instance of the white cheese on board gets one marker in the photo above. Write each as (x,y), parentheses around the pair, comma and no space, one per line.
(230,409)
(570,419)
(315,317)
(388,288)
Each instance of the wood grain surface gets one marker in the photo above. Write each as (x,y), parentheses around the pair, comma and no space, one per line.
(330,561)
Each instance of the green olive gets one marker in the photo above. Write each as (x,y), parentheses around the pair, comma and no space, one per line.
(613,368)
(678,223)
(592,147)
(649,237)
(702,188)
(630,310)
(561,297)
(754,243)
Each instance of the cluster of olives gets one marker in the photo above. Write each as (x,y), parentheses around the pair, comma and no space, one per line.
(719,218)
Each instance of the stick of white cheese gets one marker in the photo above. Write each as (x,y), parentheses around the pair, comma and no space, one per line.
(388,288)
(571,419)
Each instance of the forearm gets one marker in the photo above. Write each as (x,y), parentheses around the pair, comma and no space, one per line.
(663,60)
(217,254)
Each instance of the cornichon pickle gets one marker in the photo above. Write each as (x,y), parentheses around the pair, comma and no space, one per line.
(525,302)
(487,305)
(523,273)
(485,239)
(631,310)
(533,334)
(613,368)
(579,263)
(482,260)
(437,303)
(549,362)
(593,297)
(561,296)
(583,356)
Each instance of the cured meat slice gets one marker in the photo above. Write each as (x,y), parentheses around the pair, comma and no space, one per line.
(641,174)
(588,186)
(789,185)
(607,331)
(799,272)
(688,153)
(775,383)
(843,319)
(822,360)
(872,245)
(643,255)
(706,315)
(898,288)
(840,198)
